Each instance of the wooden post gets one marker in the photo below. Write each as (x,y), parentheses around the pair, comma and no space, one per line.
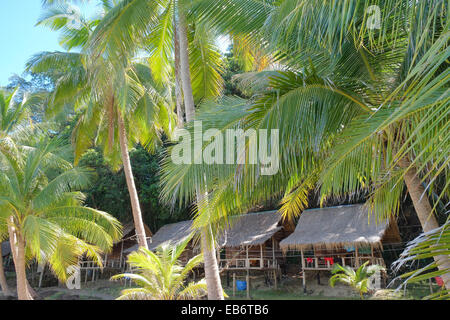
(303,272)
(234,284)
(248,284)
(273,252)
(247,263)
(261,262)
(373,257)
(356,257)
(121,254)
(275,279)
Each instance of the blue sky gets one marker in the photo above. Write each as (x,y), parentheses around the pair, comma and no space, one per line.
(19,37)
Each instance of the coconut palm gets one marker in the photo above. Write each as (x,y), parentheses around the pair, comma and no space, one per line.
(167,31)
(110,100)
(15,128)
(362,111)
(358,279)
(16,122)
(173,39)
(44,212)
(161,276)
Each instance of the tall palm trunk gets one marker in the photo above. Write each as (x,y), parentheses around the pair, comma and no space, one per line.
(136,209)
(18,253)
(184,67)
(212,275)
(3,283)
(425,214)
(178,85)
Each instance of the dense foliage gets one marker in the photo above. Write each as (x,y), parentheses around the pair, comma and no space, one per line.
(108,190)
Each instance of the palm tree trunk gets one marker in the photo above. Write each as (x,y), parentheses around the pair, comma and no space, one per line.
(136,209)
(178,85)
(18,253)
(212,275)
(425,214)
(184,67)
(3,283)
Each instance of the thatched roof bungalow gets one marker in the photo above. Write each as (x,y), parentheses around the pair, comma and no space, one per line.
(171,234)
(334,227)
(252,242)
(115,258)
(347,235)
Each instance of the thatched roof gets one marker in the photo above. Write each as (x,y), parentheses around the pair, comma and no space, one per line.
(336,226)
(174,233)
(252,229)
(128,231)
(6,248)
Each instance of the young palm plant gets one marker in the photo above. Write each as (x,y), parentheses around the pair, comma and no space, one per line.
(44,212)
(161,275)
(358,279)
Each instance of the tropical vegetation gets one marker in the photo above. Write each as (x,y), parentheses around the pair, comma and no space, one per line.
(160,275)
(358,279)
(358,92)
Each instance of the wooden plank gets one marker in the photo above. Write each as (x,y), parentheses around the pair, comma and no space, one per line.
(248,285)
(273,252)
(275,279)
(261,262)
(356,257)
(303,272)
(234,284)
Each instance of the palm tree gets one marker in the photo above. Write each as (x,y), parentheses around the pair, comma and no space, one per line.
(161,276)
(111,100)
(133,22)
(172,38)
(361,111)
(15,116)
(44,212)
(15,128)
(358,279)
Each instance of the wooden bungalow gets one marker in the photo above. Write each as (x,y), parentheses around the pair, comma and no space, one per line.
(252,242)
(172,234)
(344,234)
(116,258)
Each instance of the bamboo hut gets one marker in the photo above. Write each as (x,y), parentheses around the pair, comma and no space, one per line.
(116,259)
(344,234)
(172,234)
(252,242)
